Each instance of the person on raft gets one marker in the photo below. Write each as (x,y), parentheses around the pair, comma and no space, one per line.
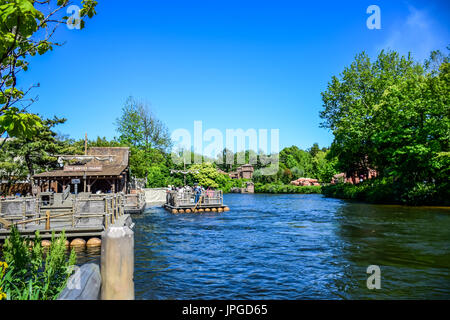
(197,192)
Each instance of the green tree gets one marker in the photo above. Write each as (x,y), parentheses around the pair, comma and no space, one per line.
(393,115)
(314,150)
(146,135)
(413,128)
(137,126)
(324,168)
(350,102)
(26,29)
(209,176)
(22,157)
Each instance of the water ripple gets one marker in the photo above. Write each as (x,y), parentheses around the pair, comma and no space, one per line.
(292,247)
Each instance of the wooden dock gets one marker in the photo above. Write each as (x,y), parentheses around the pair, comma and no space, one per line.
(84,215)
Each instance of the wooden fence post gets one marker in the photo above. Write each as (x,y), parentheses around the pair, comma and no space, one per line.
(73,213)
(24,209)
(47,221)
(113,209)
(117,264)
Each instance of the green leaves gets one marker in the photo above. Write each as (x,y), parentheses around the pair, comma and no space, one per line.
(147,137)
(392,115)
(88,8)
(26,31)
(35,274)
(19,124)
(43,47)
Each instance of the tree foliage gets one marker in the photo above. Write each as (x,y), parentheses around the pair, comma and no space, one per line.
(147,136)
(296,163)
(27,28)
(138,126)
(23,157)
(392,115)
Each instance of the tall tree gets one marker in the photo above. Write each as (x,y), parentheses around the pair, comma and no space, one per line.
(147,136)
(22,157)
(412,120)
(139,127)
(26,29)
(393,115)
(350,102)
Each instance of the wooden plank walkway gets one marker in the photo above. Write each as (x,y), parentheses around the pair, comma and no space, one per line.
(83,216)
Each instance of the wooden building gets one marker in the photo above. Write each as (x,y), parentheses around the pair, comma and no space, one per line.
(101,169)
(243,172)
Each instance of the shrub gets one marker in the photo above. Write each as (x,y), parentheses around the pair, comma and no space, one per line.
(32,272)
(386,190)
(285,188)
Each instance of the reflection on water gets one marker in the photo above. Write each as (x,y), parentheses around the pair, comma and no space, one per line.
(88,255)
(291,247)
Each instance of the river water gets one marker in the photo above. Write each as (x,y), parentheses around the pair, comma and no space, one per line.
(292,247)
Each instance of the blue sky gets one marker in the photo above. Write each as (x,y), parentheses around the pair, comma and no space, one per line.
(232,64)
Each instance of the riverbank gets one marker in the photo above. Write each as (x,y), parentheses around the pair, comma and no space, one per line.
(376,191)
(286,188)
(385,191)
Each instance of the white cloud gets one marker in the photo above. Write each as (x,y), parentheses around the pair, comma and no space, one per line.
(419,33)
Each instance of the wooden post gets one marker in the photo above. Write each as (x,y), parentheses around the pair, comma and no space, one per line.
(106,221)
(47,221)
(113,209)
(121,204)
(73,213)
(117,264)
(106,212)
(24,209)
(37,209)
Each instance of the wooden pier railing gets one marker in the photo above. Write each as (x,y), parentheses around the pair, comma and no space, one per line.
(92,212)
(209,198)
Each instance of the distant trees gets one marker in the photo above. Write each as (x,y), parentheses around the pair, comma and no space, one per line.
(296,163)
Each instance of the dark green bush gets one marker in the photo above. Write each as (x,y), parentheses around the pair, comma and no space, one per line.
(386,190)
(285,188)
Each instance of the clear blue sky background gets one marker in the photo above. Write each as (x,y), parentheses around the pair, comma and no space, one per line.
(232,64)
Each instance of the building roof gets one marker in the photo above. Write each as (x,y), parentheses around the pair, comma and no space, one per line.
(115,167)
(107,170)
(120,154)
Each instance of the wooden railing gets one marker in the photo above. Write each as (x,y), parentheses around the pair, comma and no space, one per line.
(79,212)
(134,201)
(187,198)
